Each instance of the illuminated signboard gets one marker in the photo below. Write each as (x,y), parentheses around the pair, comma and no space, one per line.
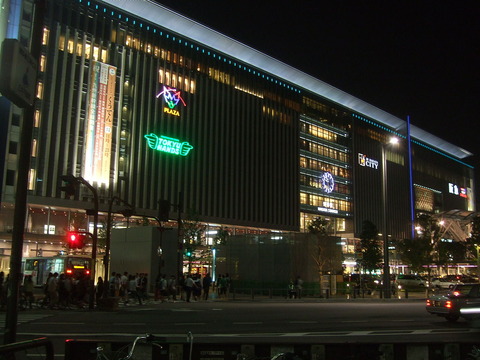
(363,160)
(456,190)
(168,145)
(171,97)
(327,210)
(99,123)
(328,183)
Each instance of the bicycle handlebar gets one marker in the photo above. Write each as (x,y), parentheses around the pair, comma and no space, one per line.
(148,338)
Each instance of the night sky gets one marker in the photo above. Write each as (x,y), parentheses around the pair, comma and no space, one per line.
(410,58)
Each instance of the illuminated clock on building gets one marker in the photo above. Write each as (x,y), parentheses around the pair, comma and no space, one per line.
(327,182)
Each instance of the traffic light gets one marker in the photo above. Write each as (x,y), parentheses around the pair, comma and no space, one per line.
(70,185)
(76,240)
(163,210)
(188,253)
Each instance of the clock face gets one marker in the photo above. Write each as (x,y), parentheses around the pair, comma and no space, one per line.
(327,182)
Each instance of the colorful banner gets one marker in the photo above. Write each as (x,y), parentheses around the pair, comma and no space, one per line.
(99,124)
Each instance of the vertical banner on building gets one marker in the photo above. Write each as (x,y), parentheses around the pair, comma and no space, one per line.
(99,124)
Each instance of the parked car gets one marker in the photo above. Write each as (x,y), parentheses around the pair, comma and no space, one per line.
(410,281)
(462,300)
(444,282)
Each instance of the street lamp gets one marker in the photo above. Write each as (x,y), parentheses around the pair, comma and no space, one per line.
(386,258)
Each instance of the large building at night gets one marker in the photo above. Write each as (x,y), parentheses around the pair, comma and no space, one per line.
(146,104)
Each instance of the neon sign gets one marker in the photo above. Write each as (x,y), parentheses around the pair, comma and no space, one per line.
(363,160)
(328,183)
(168,145)
(456,190)
(171,97)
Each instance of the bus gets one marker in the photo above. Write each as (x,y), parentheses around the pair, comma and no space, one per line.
(39,267)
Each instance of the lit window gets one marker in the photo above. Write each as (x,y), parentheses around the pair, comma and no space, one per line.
(46,33)
(32,175)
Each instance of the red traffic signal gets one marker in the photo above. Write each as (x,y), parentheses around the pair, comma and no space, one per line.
(75,240)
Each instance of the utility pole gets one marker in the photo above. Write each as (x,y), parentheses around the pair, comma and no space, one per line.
(19,218)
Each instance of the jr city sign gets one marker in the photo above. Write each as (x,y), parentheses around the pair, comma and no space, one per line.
(363,160)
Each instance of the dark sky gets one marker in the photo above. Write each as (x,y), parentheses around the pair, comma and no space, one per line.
(417,58)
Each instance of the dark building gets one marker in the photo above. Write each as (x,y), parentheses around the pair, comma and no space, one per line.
(146,104)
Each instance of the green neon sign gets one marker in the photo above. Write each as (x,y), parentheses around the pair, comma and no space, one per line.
(168,144)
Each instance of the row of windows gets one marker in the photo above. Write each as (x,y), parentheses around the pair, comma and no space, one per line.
(80,49)
(324,151)
(318,131)
(328,114)
(279,116)
(313,164)
(306,219)
(325,202)
(177,81)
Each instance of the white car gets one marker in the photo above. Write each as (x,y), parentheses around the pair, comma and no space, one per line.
(445,283)
(410,281)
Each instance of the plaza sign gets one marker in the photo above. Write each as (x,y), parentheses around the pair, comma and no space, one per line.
(171,97)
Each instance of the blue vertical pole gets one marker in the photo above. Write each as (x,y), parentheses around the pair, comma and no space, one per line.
(410,170)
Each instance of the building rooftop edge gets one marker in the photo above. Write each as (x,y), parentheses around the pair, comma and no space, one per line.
(167,18)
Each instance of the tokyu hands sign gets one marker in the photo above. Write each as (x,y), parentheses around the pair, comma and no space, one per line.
(168,145)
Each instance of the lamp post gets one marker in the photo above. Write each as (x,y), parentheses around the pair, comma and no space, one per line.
(386,257)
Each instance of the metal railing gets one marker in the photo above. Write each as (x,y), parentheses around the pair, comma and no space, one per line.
(8,351)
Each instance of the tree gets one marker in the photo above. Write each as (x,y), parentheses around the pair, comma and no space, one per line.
(322,255)
(415,252)
(473,242)
(370,245)
(424,249)
(221,236)
(193,233)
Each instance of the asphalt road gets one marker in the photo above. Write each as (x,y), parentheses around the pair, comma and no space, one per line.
(294,321)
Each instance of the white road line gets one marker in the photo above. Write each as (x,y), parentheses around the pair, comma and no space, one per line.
(128,324)
(188,324)
(247,323)
(60,323)
(303,322)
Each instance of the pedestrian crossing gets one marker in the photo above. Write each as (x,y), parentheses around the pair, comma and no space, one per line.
(23,317)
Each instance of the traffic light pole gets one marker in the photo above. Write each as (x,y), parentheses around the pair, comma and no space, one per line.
(91,303)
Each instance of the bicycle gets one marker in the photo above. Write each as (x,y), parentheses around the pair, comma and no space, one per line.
(119,354)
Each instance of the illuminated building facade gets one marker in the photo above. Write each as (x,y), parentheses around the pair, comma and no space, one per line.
(146,105)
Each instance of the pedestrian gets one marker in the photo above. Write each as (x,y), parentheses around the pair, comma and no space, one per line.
(144,286)
(63,294)
(299,286)
(291,290)
(133,288)
(111,283)
(28,290)
(100,289)
(163,288)
(189,286)
(207,282)
(124,286)
(52,288)
(222,286)
(172,288)
(228,284)
(197,289)
(158,284)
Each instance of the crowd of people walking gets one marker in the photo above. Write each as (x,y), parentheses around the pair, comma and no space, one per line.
(62,291)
